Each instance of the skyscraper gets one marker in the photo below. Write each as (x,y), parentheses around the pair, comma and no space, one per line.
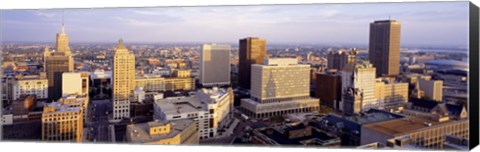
(358,84)
(252,50)
(215,65)
(384,47)
(337,60)
(57,63)
(123,77)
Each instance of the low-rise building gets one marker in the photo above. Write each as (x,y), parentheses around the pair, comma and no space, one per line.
(175,132)
(414,131)
(210,108)
(32,84)
(294,134)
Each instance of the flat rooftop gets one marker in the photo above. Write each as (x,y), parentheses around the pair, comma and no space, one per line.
(405,125)
(179,105)
(281,139)
(139,133)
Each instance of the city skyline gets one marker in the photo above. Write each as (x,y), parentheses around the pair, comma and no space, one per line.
(320,23)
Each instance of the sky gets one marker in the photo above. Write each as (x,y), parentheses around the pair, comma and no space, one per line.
(423,24)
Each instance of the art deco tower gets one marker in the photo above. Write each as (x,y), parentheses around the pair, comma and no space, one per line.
(252,50)
(384,47)
(123,81)
(58,62)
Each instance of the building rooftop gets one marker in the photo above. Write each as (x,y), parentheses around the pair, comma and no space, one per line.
(146,76)
(101,74)
(317,137)
(197,102)
(60,107)
(139,133)
(280,61)
(405,125)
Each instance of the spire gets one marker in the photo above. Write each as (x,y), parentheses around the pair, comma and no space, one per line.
(63,24)
(120,44)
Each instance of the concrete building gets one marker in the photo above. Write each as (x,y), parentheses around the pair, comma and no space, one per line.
(431,89)
(209,108)
(294,134)
(349,128)
(279,86)
(123,78)
(414,131)
(384,47)
(156,83)
(391,95)
(215,65)
(77,100)
(32,85)
(337,60)
(23,105)
(358,88)
(58,62)
(62,123)
(252,50)
(329,88)
(75,83)
(184,132)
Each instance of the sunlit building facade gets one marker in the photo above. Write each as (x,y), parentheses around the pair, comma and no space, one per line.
(215,65)
(384,47)
(123,78)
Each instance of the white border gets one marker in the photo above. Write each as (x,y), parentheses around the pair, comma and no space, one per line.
(46,4)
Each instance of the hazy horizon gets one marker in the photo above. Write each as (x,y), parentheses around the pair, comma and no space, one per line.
(423,24)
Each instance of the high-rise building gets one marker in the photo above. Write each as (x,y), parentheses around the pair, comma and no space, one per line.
(384,47)
(58,62)
(252,50)
(75,83)
(215,65)
(123,78)
(279,86)
(337,60)
(359,81)
(62,122)
(391,95)
(329,88)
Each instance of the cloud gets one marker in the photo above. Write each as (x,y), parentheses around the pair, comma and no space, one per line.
(44,14)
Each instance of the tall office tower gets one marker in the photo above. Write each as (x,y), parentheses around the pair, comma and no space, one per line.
(384,47)
(123,78)
(75,83)
(62,122)
(252,50)
(359,80)
(58,62)
(279,86)
(329,88)
(215,65)
(337,60)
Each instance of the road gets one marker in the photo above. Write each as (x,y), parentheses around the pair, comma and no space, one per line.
(99,120)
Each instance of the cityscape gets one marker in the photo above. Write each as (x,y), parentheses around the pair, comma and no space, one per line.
(374,93)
